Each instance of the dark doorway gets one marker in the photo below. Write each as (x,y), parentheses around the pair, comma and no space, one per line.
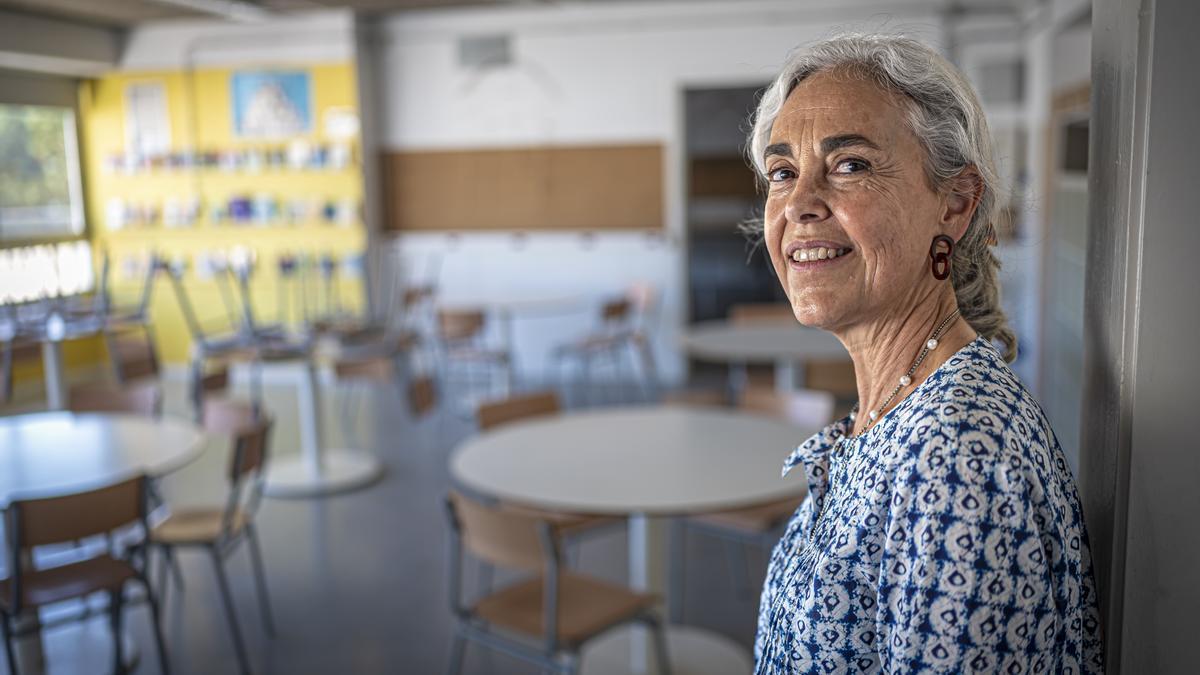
(724,266)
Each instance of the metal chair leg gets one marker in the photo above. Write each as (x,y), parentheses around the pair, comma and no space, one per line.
(196,388)
(457,652)
(230,612)
(163,664)
(486,574)
(114,609)
(9,655)
(678,558)
(649,369)
(176,571)
(260,581)
(162,574)
(660,647)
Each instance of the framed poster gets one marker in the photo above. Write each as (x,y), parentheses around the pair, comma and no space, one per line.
(271,104)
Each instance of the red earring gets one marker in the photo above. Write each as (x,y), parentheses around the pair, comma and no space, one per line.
(941,259)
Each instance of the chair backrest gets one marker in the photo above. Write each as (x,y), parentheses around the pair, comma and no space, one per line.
(249,450)
(248,430)
(458,325)
(499,535)
(380,369)
(422,395)
(761,312)
(616,310)
(133,354)
(53,520)
(249,433)
(515,408)
(143,398)
(804,408)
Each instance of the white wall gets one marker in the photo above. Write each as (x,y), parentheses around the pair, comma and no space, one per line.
(590,74)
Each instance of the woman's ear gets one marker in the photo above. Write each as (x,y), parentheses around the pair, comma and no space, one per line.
(966,189)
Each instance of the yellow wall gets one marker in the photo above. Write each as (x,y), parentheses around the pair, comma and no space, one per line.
(201,118)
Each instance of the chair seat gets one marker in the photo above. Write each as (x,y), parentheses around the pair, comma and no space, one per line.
(758,519)
(567,524)
(194,526)
(586,607)
(55,584)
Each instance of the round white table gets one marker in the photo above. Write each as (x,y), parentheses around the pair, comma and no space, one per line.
(55,454)
(786,344)
(507,307)
(644,463)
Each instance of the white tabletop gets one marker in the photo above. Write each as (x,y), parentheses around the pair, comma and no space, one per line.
(760,342)
(59,453)
(650,460)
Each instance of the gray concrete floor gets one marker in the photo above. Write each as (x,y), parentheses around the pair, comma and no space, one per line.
(359,580)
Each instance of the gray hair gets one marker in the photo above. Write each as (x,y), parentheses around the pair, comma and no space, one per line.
(945,115)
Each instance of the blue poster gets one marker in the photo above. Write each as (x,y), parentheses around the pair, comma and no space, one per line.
(271,104)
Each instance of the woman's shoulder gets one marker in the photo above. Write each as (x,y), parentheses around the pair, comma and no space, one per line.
(975,402)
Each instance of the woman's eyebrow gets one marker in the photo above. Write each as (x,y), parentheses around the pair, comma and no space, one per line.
(832,143)
(781,149)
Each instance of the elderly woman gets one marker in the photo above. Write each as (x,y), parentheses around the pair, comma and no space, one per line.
(942,531)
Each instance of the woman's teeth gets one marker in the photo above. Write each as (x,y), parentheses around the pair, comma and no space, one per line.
(819,253)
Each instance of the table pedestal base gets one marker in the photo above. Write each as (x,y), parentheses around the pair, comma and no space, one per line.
(339,471)
(692,651)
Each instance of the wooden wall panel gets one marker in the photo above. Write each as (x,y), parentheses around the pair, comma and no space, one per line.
(561,188)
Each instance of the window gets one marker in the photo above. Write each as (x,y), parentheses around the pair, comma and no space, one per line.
(40,194)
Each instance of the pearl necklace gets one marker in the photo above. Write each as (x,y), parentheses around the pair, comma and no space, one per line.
(906,378)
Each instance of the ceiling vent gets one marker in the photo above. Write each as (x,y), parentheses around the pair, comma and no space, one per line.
(484,51)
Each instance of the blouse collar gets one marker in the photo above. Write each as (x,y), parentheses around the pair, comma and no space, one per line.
(814,454)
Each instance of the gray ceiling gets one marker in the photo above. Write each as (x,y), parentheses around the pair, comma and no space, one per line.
(125,13)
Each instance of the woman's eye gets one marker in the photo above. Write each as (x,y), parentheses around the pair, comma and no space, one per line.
(781,174)
(850,166)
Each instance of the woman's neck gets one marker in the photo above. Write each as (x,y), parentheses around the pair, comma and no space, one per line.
(884,350)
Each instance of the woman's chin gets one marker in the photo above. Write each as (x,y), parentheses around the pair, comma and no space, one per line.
(816,314)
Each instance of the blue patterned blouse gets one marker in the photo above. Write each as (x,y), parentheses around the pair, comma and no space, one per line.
(946,538)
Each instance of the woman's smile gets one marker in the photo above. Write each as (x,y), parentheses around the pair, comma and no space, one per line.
(815,255)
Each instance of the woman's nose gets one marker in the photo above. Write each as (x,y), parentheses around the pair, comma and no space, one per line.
(806,203)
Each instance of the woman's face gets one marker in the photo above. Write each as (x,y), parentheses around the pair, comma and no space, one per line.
(850,214)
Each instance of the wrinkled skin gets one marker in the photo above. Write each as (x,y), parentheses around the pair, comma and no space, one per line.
(870,195)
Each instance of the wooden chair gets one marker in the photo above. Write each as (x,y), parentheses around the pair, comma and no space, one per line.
(616,334)
(143,398)
(463,354)
(528,406)
(218,531)
(556,611)
(756,525)
(42,522)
